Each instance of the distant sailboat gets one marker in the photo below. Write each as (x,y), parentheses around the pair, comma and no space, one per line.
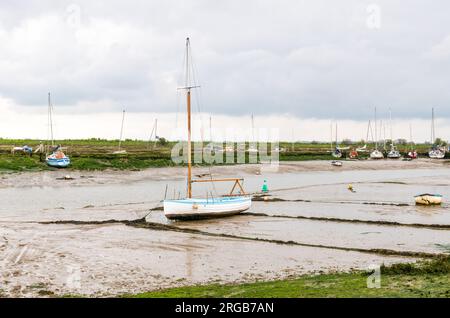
(393,153)
(120,150)
(437,151)
(57,158)
(154,134)
(364,148)
(412,154)
(335,151)
(195,208)
(376,154)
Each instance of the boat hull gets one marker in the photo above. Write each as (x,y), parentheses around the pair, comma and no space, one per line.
(436,154)
(58,163)
(394,155)
(428,199)
(203,208)
(376,154)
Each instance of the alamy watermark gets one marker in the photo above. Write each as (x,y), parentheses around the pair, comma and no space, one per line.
(373,20)
(374,279)
(266,152)
(73,15)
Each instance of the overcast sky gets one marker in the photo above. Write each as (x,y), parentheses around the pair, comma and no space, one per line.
(287,59)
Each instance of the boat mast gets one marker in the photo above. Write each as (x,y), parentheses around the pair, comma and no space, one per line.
(433,139)
(50,120)
(376,130)
(121,129)
(336,136)
(390,124)
(410,136)
(331,137)
(188,103)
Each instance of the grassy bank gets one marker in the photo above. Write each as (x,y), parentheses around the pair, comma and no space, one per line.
(97,154)
(425,279)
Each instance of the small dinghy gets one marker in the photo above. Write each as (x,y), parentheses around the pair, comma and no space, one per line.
(428,199)
(58,160)
(336,163)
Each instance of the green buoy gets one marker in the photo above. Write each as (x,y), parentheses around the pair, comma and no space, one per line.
(265,188)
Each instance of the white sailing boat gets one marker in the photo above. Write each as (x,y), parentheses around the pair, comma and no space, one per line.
(336,152)
(393,153)
(376,154)
(196,208)
(437,151)
(364,148)
(412,154)
(57,158)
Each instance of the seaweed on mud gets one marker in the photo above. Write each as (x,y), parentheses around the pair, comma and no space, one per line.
(266,199)
(142,223)
(339,220)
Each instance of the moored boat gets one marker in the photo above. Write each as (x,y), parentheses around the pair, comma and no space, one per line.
(394,153)
(412,154)
(57,158)
(197,208)
(206,208)
(437,151)
(376,154)
(336,163)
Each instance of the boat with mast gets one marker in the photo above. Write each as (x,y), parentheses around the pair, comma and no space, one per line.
(436,151)
(412,153)
(376,154)
(209,207)
(335,151)
(57,158)
(393,153)
(364,148)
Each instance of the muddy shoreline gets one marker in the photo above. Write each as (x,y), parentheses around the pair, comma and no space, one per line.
(50,178)
(104,234)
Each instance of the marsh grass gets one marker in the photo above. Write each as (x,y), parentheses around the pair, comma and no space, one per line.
(429,278)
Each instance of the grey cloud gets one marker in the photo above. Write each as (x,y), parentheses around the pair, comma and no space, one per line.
(310,59)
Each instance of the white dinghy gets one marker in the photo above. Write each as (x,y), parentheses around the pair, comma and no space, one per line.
(198,208)
(428,199)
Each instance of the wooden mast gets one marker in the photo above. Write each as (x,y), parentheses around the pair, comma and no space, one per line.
(188,102)
(189,144)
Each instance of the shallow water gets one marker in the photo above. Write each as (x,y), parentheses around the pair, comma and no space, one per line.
(115,258)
